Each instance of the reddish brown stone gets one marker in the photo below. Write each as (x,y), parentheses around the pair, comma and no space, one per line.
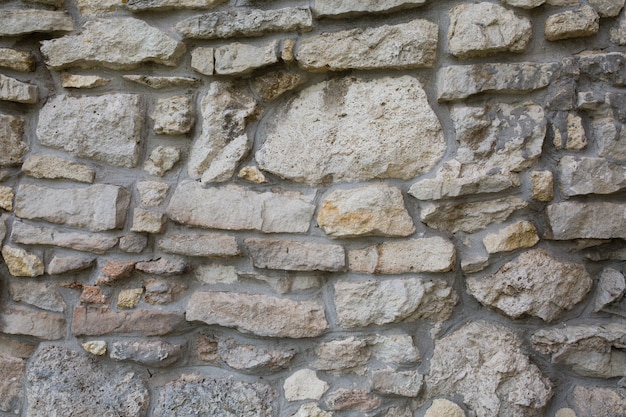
(115,270)
(97,321)
(93,295)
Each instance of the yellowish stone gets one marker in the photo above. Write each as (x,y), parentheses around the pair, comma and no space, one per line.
(129,298)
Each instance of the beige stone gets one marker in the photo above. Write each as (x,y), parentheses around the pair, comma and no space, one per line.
(522,234)
(22,263)
(95,347)
(53,167)
(27,234)
(352,400)
(28,322)
(565,412)
(577,23)
(304,385)
(590,176)
(12,140)
(128,299)
(394,349)
(6,198)
(542,183)
(195,244)
(68,264)
(578,220)
(98,7)
(203,61)
(216,274)
(12,89)
(148,221)
(346,8)
(274,84)
(574,138)
(38,294)
(143,5)
(344,354)
(311,410)
(152,193)
(98,321)
(14,22)
(238,58)
(161,160)
(444,408)
(607,8)
(293,255)
(17,60)
(173,115)
(524,4)
(82,81)
(252,174)
(159,82)
(601,401)
(12,370)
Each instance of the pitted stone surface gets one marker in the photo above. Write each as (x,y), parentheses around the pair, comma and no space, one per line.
(22,263)
(53,167)
(577,23)
(12,140)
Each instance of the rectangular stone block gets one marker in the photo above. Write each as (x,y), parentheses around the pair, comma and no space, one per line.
(12,140)
(22,321)
(238,58)
(53,167)
(200,244)
(14,22)
(16,60)
(17,91)
(345,8)
(96,321)
(27,234)
(574,220)
(291,255)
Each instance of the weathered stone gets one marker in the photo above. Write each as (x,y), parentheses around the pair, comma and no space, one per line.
(98,7)
(68,264)
(115,270)
(376,210)
(240,22)
(6,198)
(458,82)
(474,264)
(162,266)
(403,46)
(142,5)
(259,314)
(152,193)
(598,401)
(482,29)
(237,208)
(97,321)
(274,84)
(53,167)
(311,410)
(12,140)
(216,274)
(94,295)
(484,363)
(444,408)
(161,160)
(292,255)
(95,347)
(304,385)
(238,58)
(594,350)
(129,298)
(352,400)
(342,354)
(22,321)
(577,23)
(469,217)
(134,243)
(288,54)
(524,4)
(572,136)
(104,128)
(36,294)
(533,284)
(522,234)
(22,263)
(618,32)
(576,220)
(159,82)
(361,304)
(590,176)
(611,287)
(65,382)
(116,43)
(16,22)
(252,174)
(394,349)
(542,183)
(160,292)
(283,282)
(200,395)
(17,91)
(391,382)
(82,81)
(148,221)
(27,234)
(607,8)
(347,8)
(203,60)
(17,60)
(204,244)
(342,138)
(155,353)
(12,370)
(173,115)
(605,66)
(254,357)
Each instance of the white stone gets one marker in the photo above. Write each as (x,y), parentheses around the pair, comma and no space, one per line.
(397,349)
(346,8)
(27,234)
(304,385)
(173,115)
(311,410)
(203,61)
(238,58)
(82,81)
(17,91)
(161,160)
(578,220)
(590,176)
(392,382)
(14,22)
(196,244)
(216,274)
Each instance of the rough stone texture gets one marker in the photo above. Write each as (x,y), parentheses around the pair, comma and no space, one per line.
(6,198)
(239,58)
(133,243)
(16,22)
(53,167)
(148,221)
(17,60)
(12,140)
(311,410)
(274,84)
(159,292)
(114,270)
(342,354)
(611,287)
(95,347)
(22,263)
(522,234)
(252,174)
(533,284)
(594,350)
(565,412)
(68,264)
(485,364)
(200,395)
(360,304)
(618,33)
(173,115)
(322,136)
(94,295)
(203,60)
(542,183)
(236,208)
(17,91)
(142,5)
(66,382)
(161,160)
(444,408)
(243,22)
(377,210)
(155,353)
(152,193)
(403,46)
(590,176)
(36,294)
(161,82)
(577,23)
(97,321)
(525,4)
(23,321)
(104,128)
(352,400)
(433,254)
(570,133)
(295,256)
(129,298)
(575,220)
(304,385)
(482,29)
(347,8)
(394,349)
(259,314)
(607,8)
(117,43)
(82,81)
(598,401)
(402,383)
(255,358)
(27,234)
(13,369)
(205,244)
(162,266)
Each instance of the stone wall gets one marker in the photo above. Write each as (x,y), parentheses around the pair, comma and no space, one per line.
(321,208)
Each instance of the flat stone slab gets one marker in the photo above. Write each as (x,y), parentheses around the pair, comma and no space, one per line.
(96,321)
(27,322)
(17,91)
(28,234)
(292,255)
(200,244)
(16,22)
(347,8)
(53,167)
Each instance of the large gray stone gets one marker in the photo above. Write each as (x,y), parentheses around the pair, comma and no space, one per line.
(12,140)
(293,255)
(17,91)
(27,322)
(338,130)
(105,128)
(590,176)
(592,220)
(64,382)
(16,22)
(116,43)
(28,234)
(143,5)
(403,46)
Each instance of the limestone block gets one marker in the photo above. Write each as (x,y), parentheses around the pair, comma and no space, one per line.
(342,354)
(593,220)
(148,221)
(444,408)
(200,244)
(161,160)
(522,234)
(27,322)
(68,264)
(12,140)
(6,198)
(16,22)
(53,167)
(98,7)
(257,357)
(82,81)
(320,136)
(542,185)
(391,382)
(134,243)
(352,400)
(611,287)
(403,46)
(27,234)
(577,23)
(239,58)
(216,274)
(17,60)
(203,61)
(153,353)
(590,176)
(394,349)
(348,8)
(98,321)
(292,255)
(607,8)
(129,298)
(104,128)
(173,115)
(160,82)
(22,263)
(304,385)
(17,91)
(43,296)
(163,266)
(152,193)
(143,5)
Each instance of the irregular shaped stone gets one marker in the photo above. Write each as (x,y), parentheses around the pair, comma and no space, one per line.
(201,395)
(342,354)
(522,234)
(17,91)
(204,244)
(143,5)
(605,66)
(618,32)
(444,408)
(243,22)
(533,284)
(342,137)
(94,295)
(598,401)
(160,82)
(162,266)
(394,349)
(254,357)
(97,321)
(82,81)
(274,84)
(432,254)
(95,347)
(238,58)
(361,304)
(98,7)
(115,270)
(148,221)
(607,8)
(12,140)
(474,264)
(484,363)
(458,82)
(67,264)
(252,174)
(377,210)
(16,22)
(390,382)
(161,160)
(155,353)
(577,23)
(572,136)
(311,410)
(577,220)
(594,350)
(542,183)
(524,4)
(152,193)
(173,115)
(27,322)
(53,167)
(482,29)
(134,243)
(65,382)
(292,255)
(611,287)
(237,208)
(352,400)
(17,60)
(259,314)
(590,176)
(129,298)
(469,217)
(104,128)
(304,385)
(159,292)
(203,60)
(22,263)
(116,43)
(403,46)
(6,198)
(216,274)
(13,370)
(348,8)
(36,294)
(27,234)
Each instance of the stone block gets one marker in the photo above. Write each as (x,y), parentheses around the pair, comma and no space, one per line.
(194,244)
(349,8)
(22,263)
(12,140)
(27,322)
(238,58)
(577,23)
(17,22)
(98,321)
(173,115)
(593,220)
(27,234)
(292,255)
(53,167)
(17,91)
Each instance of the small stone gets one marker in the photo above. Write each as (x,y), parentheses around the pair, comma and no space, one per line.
(578,23)
(152,193)
(22,263)
(311,410)
(27,234)
(352,400)
(161,160)
(162,266)
(6,198)
(148,221)
(160,82)
(98,321)
(348,8)
(288,52)
(254,358)
(206,348)
(292,255)
(82,81)
(95,347)
(133,243)
(154,353)
(53,167)
(17,60)
(474,264)
(12,140)
(274,84)
(524,4)
(17,91)
(589,220)
(396,349)
(205,244)
(45,297)
(27,322)
(238,58)
(611,287)
(573,137)
(68,264)
(522,234)
(542,183)
(115,270)
(565,412)
(203,61)
(143,5)
(444,408)
(252,174)
(93,295)
(598,401)
(343,354)
(607,8)
(128,299)
(590,176)
(16,22)
(304,385)
(159,292)
(391,382)
(173,115)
